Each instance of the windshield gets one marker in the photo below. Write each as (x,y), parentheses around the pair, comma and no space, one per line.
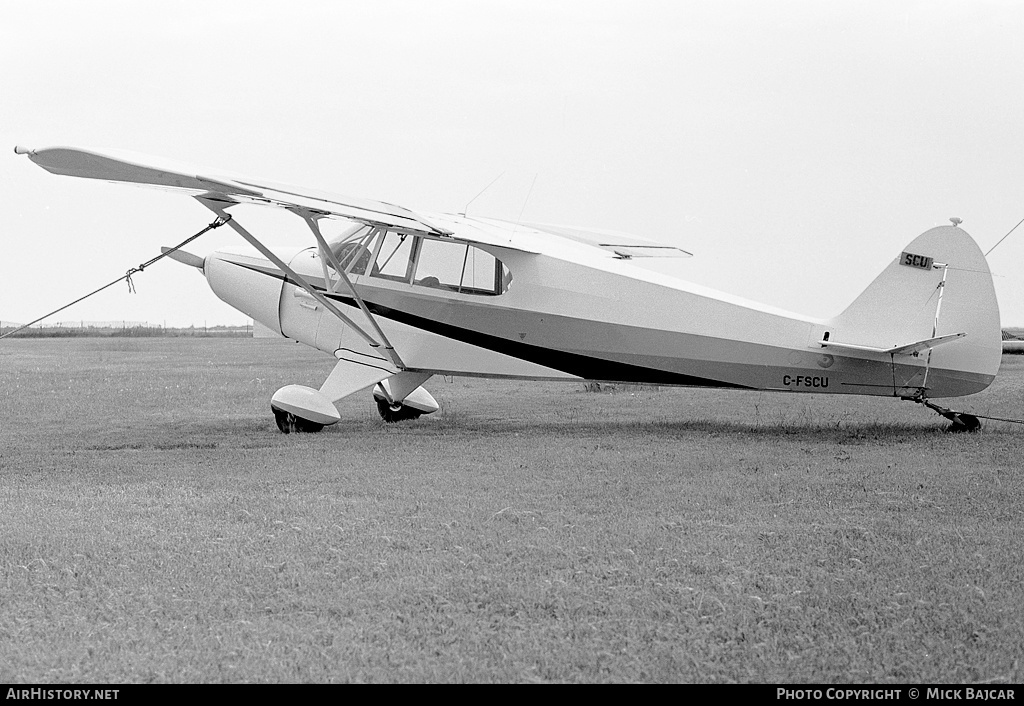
(352,249)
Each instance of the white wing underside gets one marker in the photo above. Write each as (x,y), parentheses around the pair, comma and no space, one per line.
(215,186)
(149,171)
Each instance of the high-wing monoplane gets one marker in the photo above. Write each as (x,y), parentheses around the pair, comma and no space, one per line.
(400,296)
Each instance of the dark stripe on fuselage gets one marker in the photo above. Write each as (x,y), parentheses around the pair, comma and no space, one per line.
(584,366)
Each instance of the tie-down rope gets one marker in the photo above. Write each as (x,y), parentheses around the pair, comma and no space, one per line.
(127,277)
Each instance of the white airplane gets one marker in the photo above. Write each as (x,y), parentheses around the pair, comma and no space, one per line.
(402,296)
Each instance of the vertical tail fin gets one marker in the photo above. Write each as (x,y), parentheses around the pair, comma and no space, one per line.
(939,286)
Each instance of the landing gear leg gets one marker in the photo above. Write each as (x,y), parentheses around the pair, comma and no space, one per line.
(959,421)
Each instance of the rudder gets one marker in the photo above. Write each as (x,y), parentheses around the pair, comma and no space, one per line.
(940,285)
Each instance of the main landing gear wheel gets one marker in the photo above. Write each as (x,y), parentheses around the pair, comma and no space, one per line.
(298,408)
(288,422)
(395,413)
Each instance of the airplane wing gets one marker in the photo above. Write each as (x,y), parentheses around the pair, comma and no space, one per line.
(216,188)
(148,171)
(218,193)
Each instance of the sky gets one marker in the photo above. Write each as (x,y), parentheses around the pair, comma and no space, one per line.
(794,147)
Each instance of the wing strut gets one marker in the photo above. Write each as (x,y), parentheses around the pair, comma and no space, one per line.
(218,206)
(326,255)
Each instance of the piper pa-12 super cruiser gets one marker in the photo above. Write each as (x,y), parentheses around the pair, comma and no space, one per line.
(400,296)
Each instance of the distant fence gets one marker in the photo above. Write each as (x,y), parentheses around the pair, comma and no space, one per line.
(1013,341)
(127,329)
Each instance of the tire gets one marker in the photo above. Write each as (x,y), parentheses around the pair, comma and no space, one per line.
(392,415)
(964,423)
(288,423)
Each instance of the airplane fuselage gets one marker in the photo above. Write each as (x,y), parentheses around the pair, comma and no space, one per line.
(577,315)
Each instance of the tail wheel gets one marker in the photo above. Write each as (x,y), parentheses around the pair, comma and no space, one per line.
(288,422)
(964,422)
(395,413)
(959,421)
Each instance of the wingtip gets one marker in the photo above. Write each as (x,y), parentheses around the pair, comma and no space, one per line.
(18,149)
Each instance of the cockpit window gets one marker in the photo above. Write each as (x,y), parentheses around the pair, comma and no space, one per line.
(394,258)
(483,272)
(459,267)
(439,264)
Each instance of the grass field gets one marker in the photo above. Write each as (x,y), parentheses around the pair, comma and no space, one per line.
(155,526)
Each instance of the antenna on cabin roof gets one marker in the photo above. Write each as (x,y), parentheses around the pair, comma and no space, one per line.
(466,207)
(956,221)
(520,218)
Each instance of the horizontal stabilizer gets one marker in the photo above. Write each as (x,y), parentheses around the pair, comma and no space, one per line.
(907,349)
